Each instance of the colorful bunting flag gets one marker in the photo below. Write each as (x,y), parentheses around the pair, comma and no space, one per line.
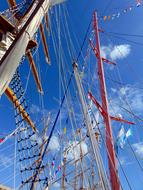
(65,130)
(109,17)
(105,17)
(53,164)
(138,3)
(129,133)
(122,138)
(59,168)
(4,139)
(1,140)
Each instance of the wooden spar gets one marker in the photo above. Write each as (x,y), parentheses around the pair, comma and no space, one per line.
(79,174)
(12,48)
(82,161)
(12,3)
(64,173)
(115,183)
(84,176)
(71,172)
(9,93)
(47,22)
(34,70)
(92,175)
(45,46)
(75,182)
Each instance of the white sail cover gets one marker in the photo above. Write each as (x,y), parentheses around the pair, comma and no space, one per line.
(11,62)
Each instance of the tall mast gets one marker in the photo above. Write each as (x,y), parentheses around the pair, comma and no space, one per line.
(109,137)
(94,144)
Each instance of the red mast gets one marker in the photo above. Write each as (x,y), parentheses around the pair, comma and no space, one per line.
(115,183)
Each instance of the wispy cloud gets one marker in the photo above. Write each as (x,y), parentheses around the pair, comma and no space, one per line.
(5,161)
(115,52)
(54,144)
(125,161)
(36,138)
(130,96)
(75,149)
(35,109)
(56,185)
(138,147)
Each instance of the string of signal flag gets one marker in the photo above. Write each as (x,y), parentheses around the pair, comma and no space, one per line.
(138,3)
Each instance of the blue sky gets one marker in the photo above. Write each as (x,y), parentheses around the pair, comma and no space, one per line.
(129,69)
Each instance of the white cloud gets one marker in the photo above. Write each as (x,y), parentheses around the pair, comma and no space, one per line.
(36,138)
(130,96)
(34,109)
(134,97)
(113,90)
(124,90)
(115,52)
(120,52)
(54,144)
(138,147)
(105,51)
(125,161)
(57,185)
(5,161)
(75,149)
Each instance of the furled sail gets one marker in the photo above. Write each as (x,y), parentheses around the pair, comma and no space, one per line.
(17,49)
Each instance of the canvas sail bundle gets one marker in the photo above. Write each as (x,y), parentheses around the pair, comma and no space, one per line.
(9,64)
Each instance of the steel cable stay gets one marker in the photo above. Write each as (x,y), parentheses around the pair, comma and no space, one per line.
(124,34)
(132,150)
(136,117)
(122,38)
(58,112)
(35,154)
(97,124)
(68,93)
(121,83)
(106,147)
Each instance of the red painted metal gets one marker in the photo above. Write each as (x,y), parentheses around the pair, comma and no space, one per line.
(96,53)
(115,183)
(107,61)
(103,113)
